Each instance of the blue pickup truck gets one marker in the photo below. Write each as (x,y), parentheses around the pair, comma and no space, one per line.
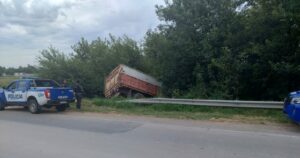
(36,94)
(292,106)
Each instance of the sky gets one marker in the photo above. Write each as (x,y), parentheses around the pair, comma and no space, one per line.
(28,26)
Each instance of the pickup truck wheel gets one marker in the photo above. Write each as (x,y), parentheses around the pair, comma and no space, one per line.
(33,106)
(61,108)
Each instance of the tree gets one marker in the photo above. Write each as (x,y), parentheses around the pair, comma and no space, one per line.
(227,48)
(91,61)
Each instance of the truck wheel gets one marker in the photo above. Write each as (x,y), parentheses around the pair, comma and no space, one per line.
(138,96)
(33,106)
(61,108)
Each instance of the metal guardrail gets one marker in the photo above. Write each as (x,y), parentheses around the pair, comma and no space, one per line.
(213,103)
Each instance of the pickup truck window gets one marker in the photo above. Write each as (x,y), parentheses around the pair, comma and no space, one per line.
(31,84)
(12,86)
(22,85)
(46,83)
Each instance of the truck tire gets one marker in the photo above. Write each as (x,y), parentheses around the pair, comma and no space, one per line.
(33,106)
(61,108)
(138,96)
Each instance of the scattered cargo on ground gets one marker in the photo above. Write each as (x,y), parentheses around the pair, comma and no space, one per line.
(128,82)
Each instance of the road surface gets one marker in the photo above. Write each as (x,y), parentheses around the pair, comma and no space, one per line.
(76,135)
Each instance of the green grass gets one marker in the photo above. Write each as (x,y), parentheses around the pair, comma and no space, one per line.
(249,115)
(4,81)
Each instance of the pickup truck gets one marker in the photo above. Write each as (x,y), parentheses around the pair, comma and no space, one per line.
(292,106)
(36,94)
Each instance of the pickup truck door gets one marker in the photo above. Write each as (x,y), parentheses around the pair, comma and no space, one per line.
(14,93)
(22,89)
(10,92)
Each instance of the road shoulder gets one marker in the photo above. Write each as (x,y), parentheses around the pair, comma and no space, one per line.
(273,128)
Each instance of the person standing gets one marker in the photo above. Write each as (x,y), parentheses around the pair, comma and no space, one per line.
(64,83)
(78,94)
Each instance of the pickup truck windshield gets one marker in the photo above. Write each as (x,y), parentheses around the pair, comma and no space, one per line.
(46,83)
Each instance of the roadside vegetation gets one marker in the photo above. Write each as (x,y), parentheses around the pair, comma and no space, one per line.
(4,81)
(246,115)
(29,69)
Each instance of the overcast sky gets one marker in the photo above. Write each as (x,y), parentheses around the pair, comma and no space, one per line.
(28,26)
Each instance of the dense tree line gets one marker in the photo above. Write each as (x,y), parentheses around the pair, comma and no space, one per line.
(229,49)
(21,69)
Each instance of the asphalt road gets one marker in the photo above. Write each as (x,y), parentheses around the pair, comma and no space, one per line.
(75,135)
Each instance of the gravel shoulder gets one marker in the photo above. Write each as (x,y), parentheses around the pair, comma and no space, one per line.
(223,124)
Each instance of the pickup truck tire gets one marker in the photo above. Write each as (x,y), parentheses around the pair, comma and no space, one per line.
(33,106)
(61,108)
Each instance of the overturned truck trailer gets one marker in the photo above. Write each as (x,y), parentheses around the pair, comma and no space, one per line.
(128,82)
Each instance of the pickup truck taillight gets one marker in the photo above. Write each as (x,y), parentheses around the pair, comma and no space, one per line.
(47,94)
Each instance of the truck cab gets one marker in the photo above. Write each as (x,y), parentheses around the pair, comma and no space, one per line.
(292,106)
(36,94)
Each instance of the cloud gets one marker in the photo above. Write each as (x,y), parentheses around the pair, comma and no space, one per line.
(10,29)
(27,26)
